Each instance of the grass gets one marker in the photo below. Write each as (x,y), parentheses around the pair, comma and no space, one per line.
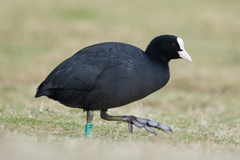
(200,102)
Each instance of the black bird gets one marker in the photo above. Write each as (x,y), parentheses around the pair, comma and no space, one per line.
(112,74)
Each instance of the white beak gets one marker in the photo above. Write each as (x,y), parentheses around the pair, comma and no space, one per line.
(183,53)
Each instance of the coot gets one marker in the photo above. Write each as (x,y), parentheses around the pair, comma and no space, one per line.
(112,74)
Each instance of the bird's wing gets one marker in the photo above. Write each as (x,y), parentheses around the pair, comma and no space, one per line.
(81,71)
(71,75)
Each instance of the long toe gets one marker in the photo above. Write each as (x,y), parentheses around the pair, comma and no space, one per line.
(137,124)
(149,129)
(147,124)
(164,127)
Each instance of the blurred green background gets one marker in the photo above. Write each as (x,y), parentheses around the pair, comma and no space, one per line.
(37,35)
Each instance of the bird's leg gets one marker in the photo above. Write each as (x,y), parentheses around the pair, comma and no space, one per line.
(89,117)
(88,125)
(136,121)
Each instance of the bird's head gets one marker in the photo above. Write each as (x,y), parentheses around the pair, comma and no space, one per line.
(167,47)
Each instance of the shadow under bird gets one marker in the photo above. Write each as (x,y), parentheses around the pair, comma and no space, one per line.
(112,74)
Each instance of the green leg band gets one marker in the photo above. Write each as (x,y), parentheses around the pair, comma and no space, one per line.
(88,130)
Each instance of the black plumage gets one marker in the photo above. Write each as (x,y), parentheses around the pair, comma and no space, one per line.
(111,74)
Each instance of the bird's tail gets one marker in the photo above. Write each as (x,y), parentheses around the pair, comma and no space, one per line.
(38,94)
(41,92)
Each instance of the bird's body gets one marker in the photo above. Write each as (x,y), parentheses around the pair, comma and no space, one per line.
(104,76)
(112,74)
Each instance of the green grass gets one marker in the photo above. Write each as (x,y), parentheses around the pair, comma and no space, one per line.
(200,102)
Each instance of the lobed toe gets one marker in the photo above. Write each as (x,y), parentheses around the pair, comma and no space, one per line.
(137,124)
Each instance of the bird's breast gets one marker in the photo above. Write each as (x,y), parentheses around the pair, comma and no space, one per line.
(126,84)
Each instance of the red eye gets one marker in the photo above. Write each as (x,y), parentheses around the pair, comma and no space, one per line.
(174,44)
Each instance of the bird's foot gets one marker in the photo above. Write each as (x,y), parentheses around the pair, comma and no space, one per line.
(147,124)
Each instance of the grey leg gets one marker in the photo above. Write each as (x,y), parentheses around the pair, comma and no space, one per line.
(88,125)
(89,117)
